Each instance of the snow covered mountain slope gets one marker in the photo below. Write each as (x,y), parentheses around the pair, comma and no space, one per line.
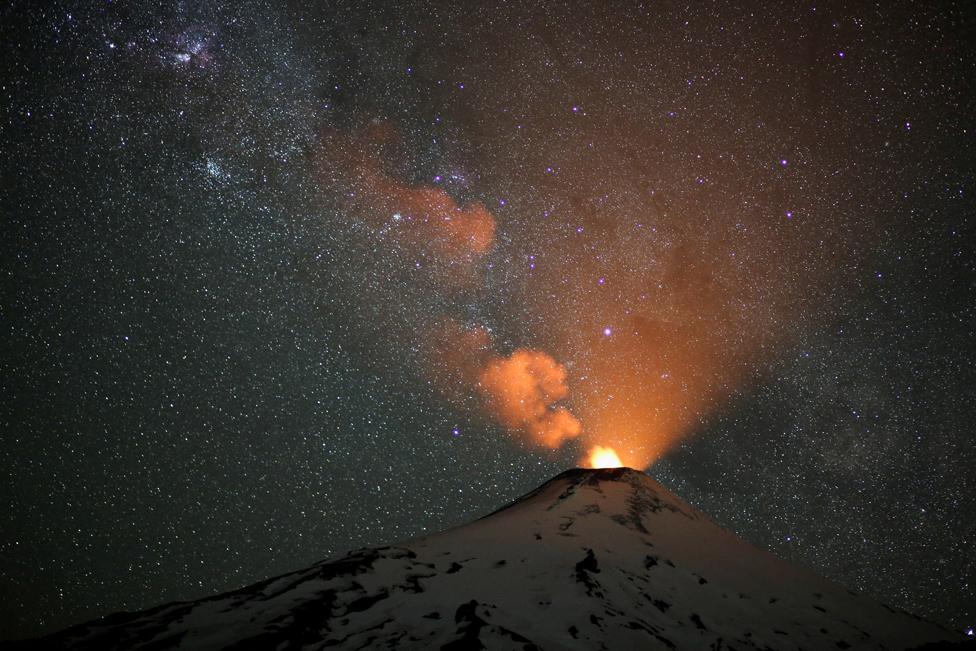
(593,559)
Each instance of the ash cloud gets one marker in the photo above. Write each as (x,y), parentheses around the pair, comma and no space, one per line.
(357,170)
(521,390)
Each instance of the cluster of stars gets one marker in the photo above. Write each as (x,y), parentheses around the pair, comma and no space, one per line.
(219,373)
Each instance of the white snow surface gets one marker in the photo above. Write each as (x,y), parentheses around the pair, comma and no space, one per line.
(593,559)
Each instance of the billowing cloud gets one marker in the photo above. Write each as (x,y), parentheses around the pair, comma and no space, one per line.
(521,390)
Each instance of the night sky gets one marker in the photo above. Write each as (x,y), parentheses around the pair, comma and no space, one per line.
(280,281)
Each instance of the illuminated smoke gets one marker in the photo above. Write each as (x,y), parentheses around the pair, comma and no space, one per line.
(357,171)
(521,389)
(664,337)
(425,215)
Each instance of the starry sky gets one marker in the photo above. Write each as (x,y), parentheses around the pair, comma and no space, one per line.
(281,280)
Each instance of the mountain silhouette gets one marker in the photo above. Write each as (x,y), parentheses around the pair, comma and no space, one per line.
(592,559)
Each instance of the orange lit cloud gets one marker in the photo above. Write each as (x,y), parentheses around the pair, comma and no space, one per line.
(664,319)
(426,214)
(521,389)
(358,170)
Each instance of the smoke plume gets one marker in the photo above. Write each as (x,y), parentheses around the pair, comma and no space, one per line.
(520,390)
(359,170)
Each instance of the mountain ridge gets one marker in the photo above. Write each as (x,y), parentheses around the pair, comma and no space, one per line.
(591,559)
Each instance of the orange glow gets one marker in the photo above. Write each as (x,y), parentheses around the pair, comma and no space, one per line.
(684,308)
(601,457)
(520,390)
(358,170)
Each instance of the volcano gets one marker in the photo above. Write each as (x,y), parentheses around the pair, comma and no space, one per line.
(592,559)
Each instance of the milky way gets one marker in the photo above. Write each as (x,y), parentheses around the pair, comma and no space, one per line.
(281,282)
